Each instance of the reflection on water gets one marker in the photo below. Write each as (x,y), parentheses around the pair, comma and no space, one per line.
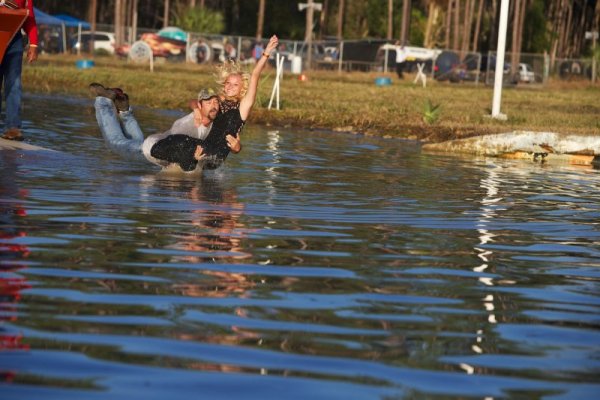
(322,265)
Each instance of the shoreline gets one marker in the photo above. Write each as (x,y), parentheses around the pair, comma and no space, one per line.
(348,102)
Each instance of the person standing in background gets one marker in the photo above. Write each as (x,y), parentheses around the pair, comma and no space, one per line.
(11,67)
(257,51)
(400,60)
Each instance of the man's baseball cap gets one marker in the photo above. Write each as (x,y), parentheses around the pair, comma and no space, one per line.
(206,94)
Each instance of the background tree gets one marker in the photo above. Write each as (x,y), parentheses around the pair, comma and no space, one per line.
(390,20)
(199,19)
(555,26)
(166,12)
(340,22)
(261,20)
(323,19)
(406,20)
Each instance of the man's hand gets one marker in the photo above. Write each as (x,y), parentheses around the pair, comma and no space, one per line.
(234,144)
(199,153)
(194,104)
(32,54)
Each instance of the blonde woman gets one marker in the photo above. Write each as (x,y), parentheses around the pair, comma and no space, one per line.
(236,100)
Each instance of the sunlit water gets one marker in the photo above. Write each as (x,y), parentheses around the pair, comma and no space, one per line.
(313,265)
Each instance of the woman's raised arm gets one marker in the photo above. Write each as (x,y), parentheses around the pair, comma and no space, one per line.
(248,101)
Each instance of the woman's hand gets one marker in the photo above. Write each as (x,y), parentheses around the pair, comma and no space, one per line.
(234,144)
(272,45)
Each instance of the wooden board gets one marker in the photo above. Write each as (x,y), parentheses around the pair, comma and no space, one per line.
(10,23)
(15,145)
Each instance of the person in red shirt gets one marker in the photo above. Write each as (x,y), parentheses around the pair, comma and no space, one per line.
(11,67)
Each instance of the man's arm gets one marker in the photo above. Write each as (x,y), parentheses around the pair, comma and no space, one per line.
(30,28)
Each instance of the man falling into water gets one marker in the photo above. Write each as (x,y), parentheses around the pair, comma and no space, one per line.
(122,133)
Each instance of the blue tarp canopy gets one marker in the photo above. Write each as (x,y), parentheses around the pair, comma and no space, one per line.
(72,21)
(41,18)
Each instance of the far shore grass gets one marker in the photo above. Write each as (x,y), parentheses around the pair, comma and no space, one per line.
(351,102)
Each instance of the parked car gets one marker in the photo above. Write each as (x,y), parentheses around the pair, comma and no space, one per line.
(103,41)
(161,46)
(449,67)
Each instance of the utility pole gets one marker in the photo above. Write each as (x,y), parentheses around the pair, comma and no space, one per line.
(310,8)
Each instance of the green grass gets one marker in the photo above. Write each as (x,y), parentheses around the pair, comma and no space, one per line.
(343,102)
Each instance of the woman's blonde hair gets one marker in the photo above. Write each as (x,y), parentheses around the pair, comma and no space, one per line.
(230,67)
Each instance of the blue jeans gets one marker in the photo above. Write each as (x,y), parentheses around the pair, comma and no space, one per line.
(10,76)
(121,132)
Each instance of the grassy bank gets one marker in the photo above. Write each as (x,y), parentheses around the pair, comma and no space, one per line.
(345,102)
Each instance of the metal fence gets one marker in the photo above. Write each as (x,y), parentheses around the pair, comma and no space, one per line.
(356,55)
(531,69)
(573,69)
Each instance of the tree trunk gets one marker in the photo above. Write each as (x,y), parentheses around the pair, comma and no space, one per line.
(261,20)
(579,34)
(390,27)
(494,28)
(514,57)
(455,39)
(166,14)
(92,14)
(522,13)
(431,19)
(324,18)
(406,10)
(569,35)
(127,20)
(448,23)
(118,23)
(340,21)
(134,21)
(559,21)
(477,26)
(466,36)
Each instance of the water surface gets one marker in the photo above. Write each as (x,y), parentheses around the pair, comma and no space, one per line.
(313,265)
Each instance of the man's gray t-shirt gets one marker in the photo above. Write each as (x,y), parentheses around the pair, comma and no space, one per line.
(183,126)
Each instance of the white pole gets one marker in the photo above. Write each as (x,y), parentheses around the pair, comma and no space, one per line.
(188,46)
(275,92)
(64,37)
(79,39)
(341,57)
(500,61)
(278,83)
(385,60)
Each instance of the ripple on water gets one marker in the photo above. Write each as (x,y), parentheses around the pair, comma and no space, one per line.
(317,265)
